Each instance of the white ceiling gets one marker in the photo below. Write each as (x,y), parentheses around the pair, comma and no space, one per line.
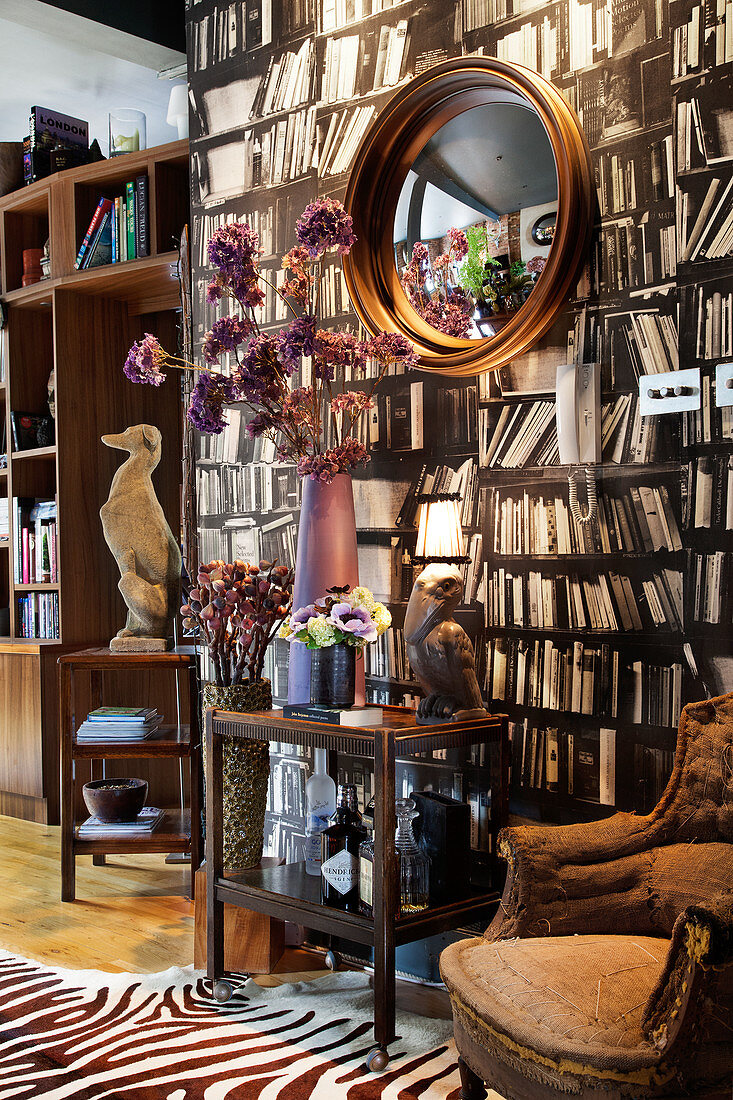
(52,58)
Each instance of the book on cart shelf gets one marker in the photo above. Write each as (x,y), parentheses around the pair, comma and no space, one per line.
(144,824)
(351,716)
(119,724)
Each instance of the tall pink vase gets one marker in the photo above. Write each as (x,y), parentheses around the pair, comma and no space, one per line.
(326,556)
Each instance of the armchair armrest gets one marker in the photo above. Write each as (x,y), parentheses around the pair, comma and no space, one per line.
(693,999)
(557,876)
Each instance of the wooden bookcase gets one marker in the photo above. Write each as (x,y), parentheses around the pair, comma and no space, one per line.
(81,324)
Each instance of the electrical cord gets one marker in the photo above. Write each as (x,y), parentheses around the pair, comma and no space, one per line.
(580,516)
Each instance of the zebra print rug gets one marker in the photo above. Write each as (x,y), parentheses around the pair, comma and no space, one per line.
(90,1035)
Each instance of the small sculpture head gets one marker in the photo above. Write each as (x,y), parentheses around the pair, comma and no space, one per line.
(435,595)
(142,439)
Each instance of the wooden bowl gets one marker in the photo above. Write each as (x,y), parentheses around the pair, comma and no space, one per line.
(115,800)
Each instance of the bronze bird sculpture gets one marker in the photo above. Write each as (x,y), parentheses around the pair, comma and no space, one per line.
(439,650)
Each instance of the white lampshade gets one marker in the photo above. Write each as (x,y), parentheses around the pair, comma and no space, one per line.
(439,532)
(178,109)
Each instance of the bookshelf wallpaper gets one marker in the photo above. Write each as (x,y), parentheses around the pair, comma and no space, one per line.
(591,640)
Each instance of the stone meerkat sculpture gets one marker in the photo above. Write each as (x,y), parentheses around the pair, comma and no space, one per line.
(439,650)
(147,554)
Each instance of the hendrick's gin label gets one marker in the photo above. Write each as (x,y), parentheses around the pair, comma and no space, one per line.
(340,853)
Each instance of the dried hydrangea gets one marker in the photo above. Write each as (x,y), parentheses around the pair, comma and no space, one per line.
(352,401)
(144,361)
(458,243)
(448,317)
(225,335)
(234,250)
(392,347)
(208,398)
(325,225)
(296,340)
(324,467)
(338,353)
(258,375)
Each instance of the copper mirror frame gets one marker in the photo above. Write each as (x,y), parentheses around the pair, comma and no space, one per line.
(383,160)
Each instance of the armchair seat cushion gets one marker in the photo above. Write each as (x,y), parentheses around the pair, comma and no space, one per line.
(570,1004)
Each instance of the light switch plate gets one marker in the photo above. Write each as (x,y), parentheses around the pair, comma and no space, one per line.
(724,384)
(657,392)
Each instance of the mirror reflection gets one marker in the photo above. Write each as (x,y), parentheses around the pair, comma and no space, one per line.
(465,247)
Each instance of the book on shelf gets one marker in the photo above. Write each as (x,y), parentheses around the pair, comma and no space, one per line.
(633,521)
(608,602)
(287,83)
(30,430)
(259,487)
(704,126)
(708,500)
(55,141)
(335,716)
(119,228)
(286,789)
(342,137)
(581,765)
(710,235)
(708,592)
(229,29)
(396,422)
(387,657)
(443,479)
(652,769)
(37,615)
(702,39)
(36,546)
(582,678)
(710,423)
(119,724)
(282,153)
(457,415)
(144,824)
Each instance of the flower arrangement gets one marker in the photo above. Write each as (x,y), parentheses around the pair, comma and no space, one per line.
(447,291)
(300,419)
(352,617)
(237,609)
(443,305)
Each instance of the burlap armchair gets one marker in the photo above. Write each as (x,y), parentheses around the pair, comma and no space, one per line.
(608,970)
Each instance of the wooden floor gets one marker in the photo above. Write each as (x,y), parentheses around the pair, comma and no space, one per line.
(130,915)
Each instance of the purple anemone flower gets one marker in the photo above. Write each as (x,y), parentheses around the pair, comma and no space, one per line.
(353,620)
(299,619)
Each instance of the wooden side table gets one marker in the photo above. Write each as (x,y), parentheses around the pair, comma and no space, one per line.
(180,830)
(288,893)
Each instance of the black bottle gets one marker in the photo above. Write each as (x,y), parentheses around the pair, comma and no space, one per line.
(340,853)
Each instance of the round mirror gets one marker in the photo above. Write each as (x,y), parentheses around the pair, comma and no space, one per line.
(464,250)
(471,195)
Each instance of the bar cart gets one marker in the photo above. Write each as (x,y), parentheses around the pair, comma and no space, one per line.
(288,893)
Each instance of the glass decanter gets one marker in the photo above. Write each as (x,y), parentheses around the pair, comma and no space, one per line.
(414,862)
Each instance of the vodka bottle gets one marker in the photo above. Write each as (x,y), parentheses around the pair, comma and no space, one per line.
(340,853)
(320,800)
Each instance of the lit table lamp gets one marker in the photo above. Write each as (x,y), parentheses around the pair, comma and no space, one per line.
(438,649)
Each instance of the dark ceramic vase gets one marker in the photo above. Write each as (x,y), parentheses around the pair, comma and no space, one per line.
(333,675)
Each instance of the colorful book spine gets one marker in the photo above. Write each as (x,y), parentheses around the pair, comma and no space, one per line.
(103,206)
(142,227)
(130,219)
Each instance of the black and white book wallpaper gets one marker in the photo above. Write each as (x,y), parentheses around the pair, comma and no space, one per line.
(590,639)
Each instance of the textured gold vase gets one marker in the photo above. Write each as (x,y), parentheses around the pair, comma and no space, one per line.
(246,770)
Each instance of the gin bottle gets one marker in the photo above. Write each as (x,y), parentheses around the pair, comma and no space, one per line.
(340,853)
(320,800)
(366,866)
(414,862)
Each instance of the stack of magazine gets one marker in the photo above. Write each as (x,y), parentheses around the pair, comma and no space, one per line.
(144,824)
(118,724)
